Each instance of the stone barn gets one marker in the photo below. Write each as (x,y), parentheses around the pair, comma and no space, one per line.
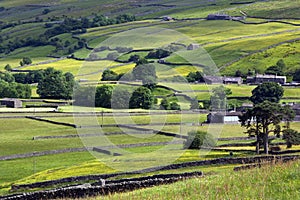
(224,118)
(218,17)
(11,103)
(262,78)
(193,46)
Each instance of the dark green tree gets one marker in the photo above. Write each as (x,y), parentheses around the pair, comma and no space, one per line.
(198,139)
(194,104)
(146,73)
(141,98)
(238,73)
(174,106)
(292,137)
(109,75)
(158,54)
(270,91)
(6,76)
(8,67)
(25,61)
(103,96)
(165,104)
(296,76)
(120,98)
(195,76)
(218,98)
(55,84)
(274,70)
(263,119)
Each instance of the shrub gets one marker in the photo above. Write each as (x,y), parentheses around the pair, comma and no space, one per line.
(198,139)
(292,137)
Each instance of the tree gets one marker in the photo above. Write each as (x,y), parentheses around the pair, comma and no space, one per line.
(197,139)
(158,54)
(274,70)
(165,104)
(120,98)
(174,106)
(141,98)
(292,137)
(296,76)
(219,97)
(6,76)
(238,73)
(109,75)
(280,63)
(262,118)
(8,67)
(195,76)
(146,73)
(25,61)
(103,96)
(194,104)
(14,90)
(55,84)
(270,91)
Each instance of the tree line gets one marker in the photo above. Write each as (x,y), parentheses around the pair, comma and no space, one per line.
(65,25)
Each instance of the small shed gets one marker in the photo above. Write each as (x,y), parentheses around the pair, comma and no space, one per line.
(11,103)
(193,46)
(233,80)
(167,18)
(224,118)
(263,78)
(213,79)
(218,17)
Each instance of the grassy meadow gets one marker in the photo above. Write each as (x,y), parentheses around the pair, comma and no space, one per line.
(259,183)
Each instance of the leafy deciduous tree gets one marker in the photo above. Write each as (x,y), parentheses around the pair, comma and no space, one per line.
(141,98)
(259,119)
(270,91)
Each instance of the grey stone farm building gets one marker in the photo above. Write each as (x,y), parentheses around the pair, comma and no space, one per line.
(11,103)
(263,78)
(222,80)
(223,118)
(218,16)
(193,46)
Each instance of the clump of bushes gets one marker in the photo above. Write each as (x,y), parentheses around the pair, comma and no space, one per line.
(198,139)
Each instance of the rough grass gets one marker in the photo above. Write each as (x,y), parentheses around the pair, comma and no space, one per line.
(269,182)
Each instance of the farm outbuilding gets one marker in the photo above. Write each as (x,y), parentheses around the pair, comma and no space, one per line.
(213,79)
(233,80)
(262,78)
(11,103)
(222,80)
(218,17)
(223,118)
(193,46)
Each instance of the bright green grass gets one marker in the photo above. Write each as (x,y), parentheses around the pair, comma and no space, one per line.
(67,65)
(261,61)
(224,52)
(142,119)
(280,181)
(278,8)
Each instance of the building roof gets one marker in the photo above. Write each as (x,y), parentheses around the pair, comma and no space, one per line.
(232,79)
(266,76)
(214,78)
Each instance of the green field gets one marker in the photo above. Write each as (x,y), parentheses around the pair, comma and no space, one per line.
(251,184)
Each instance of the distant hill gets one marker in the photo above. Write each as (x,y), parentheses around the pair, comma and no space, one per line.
(49,32)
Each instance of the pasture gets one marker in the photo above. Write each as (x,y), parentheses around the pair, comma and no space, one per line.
(17,138)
